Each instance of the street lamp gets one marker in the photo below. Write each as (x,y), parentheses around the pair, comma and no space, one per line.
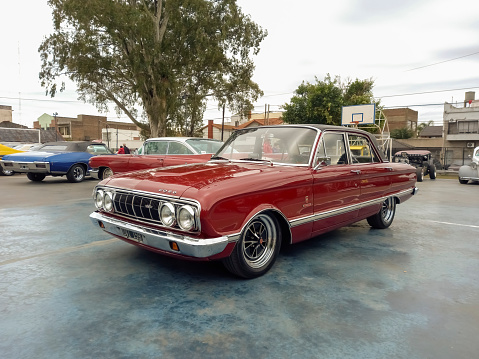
(55,114)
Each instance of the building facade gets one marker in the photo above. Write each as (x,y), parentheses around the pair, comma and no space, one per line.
(461,130)
(399,118)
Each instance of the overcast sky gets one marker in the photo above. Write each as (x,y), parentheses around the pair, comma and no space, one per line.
(420,53)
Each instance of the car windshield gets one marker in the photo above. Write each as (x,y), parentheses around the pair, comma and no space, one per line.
(280,144)
(98,150)
(205,145)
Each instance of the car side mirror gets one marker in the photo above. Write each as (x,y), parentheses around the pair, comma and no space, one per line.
(321,162)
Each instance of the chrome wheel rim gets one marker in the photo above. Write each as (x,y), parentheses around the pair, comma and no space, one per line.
(78,173)
(387,210)
(107,172)
(259,242)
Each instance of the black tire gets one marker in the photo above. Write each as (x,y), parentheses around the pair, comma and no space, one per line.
(385,216)
(419,174)
(76,174)
(432,172)
(257,249)
(461,181)
(35,177)
(106,172)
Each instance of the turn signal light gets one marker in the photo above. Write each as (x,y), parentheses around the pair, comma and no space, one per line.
(174,246)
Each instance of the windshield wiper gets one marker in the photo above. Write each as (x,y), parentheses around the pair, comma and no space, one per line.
(218,158)
(256,159)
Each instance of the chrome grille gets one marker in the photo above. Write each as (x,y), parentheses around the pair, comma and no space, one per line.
(137,206)
(144,207)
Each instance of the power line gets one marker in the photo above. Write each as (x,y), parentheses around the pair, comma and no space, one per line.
(441,62)
(428,92)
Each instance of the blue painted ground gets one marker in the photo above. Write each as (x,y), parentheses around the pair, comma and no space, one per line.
(67,290)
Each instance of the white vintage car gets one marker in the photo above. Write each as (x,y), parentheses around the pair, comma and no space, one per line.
(470,171)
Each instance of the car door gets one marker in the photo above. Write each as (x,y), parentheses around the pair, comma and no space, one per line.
(336,184)
(375,176)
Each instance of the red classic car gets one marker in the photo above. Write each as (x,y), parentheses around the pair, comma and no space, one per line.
(266,186)
(156,152)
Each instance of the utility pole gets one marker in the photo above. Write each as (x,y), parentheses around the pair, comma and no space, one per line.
(55,114)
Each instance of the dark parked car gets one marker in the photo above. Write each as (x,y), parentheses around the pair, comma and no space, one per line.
(421,159)
(267,186)
(65,158)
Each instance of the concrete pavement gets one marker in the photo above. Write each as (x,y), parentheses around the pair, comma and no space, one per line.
(68,290)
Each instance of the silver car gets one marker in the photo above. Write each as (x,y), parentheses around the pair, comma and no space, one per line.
(470,171)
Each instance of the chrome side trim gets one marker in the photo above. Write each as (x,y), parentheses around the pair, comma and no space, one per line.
(335,212)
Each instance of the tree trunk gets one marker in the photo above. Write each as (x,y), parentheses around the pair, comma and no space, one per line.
(156,110)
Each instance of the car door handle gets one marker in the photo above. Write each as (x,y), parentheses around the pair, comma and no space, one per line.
(358,172)
(390,169)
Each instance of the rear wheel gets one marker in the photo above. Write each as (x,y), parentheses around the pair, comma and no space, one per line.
(76,174)
(107,172)
(35,177)
(419,174)
(385,216)
(432,171)
(257,248)
(462,181)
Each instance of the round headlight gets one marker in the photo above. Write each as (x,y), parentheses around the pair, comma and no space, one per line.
(167,214)
(99,195)
(108,202)
(186,218)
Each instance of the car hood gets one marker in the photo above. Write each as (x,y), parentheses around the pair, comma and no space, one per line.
(31,156)
(208,179)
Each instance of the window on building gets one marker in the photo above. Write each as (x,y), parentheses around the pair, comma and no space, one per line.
(467,126)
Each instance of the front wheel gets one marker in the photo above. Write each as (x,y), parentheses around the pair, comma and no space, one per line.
(462,181)
(35,177)
(257,248)
(385,216)
(107,172)
(76,174)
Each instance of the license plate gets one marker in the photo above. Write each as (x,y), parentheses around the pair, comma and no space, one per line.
(134,236)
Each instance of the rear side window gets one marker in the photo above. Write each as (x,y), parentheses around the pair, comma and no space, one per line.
(361,150)
(177,148)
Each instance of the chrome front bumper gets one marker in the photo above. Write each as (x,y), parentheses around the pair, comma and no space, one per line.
(160,239)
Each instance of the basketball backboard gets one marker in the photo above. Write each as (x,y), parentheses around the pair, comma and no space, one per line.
(358,115)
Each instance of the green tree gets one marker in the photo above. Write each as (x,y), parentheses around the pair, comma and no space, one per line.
(321,102)
(402,133)
(160,57)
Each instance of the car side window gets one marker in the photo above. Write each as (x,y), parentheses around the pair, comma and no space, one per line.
(176,148)
(361,150)
(156,148)
(331,150)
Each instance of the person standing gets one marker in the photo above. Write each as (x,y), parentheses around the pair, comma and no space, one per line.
(121,151)
(126,149)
